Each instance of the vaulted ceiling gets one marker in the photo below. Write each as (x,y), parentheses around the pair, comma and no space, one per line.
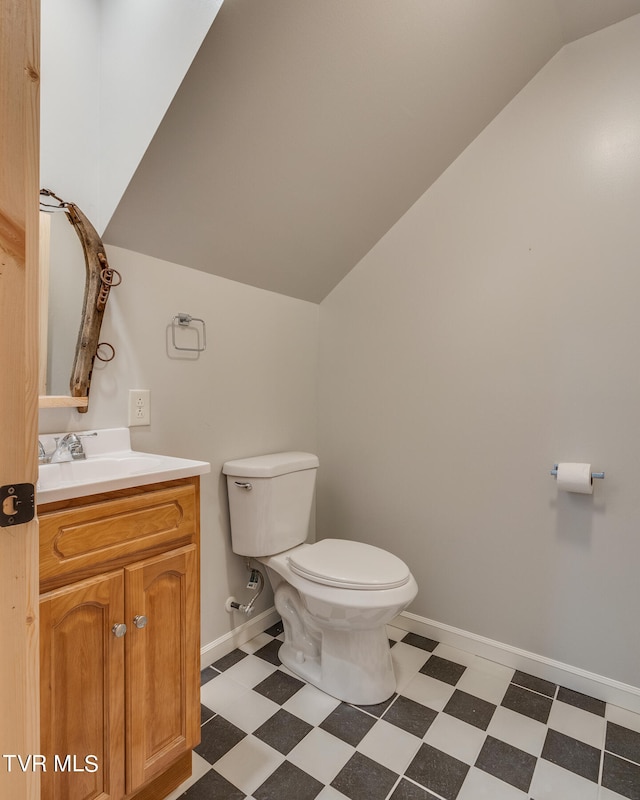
(304,130)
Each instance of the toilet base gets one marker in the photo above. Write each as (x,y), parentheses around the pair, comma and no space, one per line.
(352,665)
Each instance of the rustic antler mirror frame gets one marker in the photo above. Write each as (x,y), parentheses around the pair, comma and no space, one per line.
(100,278)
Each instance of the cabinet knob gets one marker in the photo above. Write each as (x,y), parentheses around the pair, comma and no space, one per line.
(140,621)
(119,630)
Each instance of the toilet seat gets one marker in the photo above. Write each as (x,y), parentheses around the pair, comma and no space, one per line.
(349,565)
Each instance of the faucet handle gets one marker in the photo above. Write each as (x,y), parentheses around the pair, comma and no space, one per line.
(75,447)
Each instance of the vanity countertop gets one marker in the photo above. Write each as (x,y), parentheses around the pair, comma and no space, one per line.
(110,464)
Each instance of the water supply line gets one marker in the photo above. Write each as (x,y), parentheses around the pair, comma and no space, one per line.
(256,580)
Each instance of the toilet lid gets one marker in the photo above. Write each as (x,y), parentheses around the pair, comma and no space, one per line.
(349,565)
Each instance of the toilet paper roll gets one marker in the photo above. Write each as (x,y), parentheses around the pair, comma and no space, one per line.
(575,478)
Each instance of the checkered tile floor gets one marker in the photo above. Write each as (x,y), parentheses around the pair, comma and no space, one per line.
(459,728)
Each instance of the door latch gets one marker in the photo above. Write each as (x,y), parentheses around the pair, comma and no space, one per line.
(17,504)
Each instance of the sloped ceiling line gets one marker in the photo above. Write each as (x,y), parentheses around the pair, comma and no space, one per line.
(303,131)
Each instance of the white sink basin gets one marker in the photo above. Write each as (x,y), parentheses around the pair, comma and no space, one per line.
(106,469)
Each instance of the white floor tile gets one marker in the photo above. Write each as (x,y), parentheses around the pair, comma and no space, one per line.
(311,705)
(390,746)
(249,764)
(551,782)
(407,660)
(577,723)
(480,785)
(453,654)
(522,732)
(628,719)
(256,643)
(493,668)
(329,793)
(220,692)
(481,684)
(321,755)
(429,691)
(289,672)
(455,737)
(250,671)
(249,711)
(396,634)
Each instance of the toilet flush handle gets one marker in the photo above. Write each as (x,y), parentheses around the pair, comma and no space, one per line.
(244,485)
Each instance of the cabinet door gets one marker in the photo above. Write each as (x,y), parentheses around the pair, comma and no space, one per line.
(162,662)
(81,690)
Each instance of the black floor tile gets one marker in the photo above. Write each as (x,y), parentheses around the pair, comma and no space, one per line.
(420,641)
(229,660)
(438,771)
(528,703)
(207,674)
(379,708)
(275,630)
(205,714)
(406,790)
(471,709)
(443,670)
(571,754)
(623,742)
(270,652)
(288,781)
(535,684)
(348,723)
(218,736)
(364,779)
(410,716)
(621,776)
(506,762)
(283,731)
(279,687)
(582,701)
(213,785)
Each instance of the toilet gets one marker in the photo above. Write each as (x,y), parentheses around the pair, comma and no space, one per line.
(335,597)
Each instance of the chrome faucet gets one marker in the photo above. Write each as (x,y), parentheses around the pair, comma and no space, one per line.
(43,458)
(70,448)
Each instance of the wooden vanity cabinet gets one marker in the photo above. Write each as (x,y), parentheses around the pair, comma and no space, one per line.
(120,711)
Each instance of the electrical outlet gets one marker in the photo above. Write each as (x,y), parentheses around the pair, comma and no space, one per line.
(139,407)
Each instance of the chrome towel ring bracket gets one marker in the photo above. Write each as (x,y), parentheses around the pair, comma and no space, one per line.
(182,320)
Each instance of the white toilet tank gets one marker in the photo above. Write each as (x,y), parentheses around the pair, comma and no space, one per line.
(270,499)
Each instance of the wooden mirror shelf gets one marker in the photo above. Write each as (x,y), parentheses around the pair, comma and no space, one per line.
(62,401)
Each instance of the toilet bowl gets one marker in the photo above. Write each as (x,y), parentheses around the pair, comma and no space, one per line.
(335,596)
(335,635)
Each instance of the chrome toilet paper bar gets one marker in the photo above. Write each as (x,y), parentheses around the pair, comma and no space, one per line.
(554,472)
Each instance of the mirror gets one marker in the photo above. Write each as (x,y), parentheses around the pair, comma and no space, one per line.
(62,280)
(66,296)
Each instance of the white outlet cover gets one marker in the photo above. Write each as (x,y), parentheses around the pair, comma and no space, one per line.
(139,407)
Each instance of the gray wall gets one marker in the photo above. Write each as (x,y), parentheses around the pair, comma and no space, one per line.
(494,331)
(252,391)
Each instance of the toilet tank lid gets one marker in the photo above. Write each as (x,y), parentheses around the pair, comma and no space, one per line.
(269,466)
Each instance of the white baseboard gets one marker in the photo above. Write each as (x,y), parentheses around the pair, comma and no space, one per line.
(238,636)
(579,680)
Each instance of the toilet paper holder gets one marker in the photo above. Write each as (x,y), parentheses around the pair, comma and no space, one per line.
(554,472)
